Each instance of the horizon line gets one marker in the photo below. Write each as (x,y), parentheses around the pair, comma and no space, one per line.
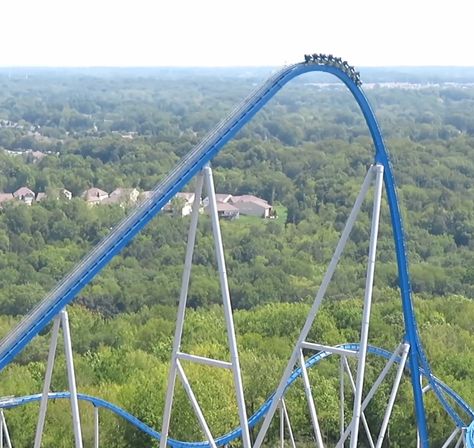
(16,67)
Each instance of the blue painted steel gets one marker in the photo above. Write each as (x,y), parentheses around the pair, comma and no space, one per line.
(253,420)
(470,436)
(190,166)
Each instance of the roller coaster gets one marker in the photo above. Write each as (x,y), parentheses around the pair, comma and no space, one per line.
(408,359)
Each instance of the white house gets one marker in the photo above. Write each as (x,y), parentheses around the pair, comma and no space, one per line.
(181,204)
(65,194)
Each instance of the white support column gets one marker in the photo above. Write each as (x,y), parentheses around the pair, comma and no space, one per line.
(96,427)
(309,399)
(47,383)
(418,441)
(451,438)
(367,306)
(234,356)
(288,423)
(315,307)
(372,390)
(195,404)
(6,434)
(342,424)
(393,394)
(76,420)
(1,433)
(364,420)
(282,427)
(460,440)
(181,311)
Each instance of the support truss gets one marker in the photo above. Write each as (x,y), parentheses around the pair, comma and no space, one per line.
(176,368)
(375,173)
(61,320)
(4,433)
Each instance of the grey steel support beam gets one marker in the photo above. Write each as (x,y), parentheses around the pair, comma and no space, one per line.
(181,312)
(367,306)
(315,307)
(234,355)
(76,419)
(47,382)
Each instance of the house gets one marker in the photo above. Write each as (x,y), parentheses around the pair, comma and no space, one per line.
(181,204)
(35,156)
(41,196)
(94,196)
(223,197)
(66,194)
(122,196)
(224,210)
(25,195)
(58,193)
(252,205)
(5,197)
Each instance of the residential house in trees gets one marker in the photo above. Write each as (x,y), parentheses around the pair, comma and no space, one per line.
(252,205)
(94,196)
(24,194)
(224,210)
(181,204)
(122,197)
(64,194)
(55,193)
(41,196)
(223,197)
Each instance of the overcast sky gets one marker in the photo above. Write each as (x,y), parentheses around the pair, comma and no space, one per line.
(234,33)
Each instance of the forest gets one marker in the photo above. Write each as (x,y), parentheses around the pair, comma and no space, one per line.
(306,153)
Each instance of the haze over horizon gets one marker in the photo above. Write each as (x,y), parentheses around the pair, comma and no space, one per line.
(211,33)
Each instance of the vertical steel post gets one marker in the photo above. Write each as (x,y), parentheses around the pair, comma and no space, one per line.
(6,434)
(282,427)
(315,307)
(364,420)
(367,306)
(96,427)
(47,383)
(342,424)
(234,356)
(76,419)
(181,311)
(372,390)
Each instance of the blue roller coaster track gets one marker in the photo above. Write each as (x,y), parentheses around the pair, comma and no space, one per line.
(253,420)
(194,162)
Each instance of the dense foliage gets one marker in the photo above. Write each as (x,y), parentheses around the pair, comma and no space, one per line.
(306,153)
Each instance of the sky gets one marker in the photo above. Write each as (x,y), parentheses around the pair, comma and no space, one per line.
(64,33)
